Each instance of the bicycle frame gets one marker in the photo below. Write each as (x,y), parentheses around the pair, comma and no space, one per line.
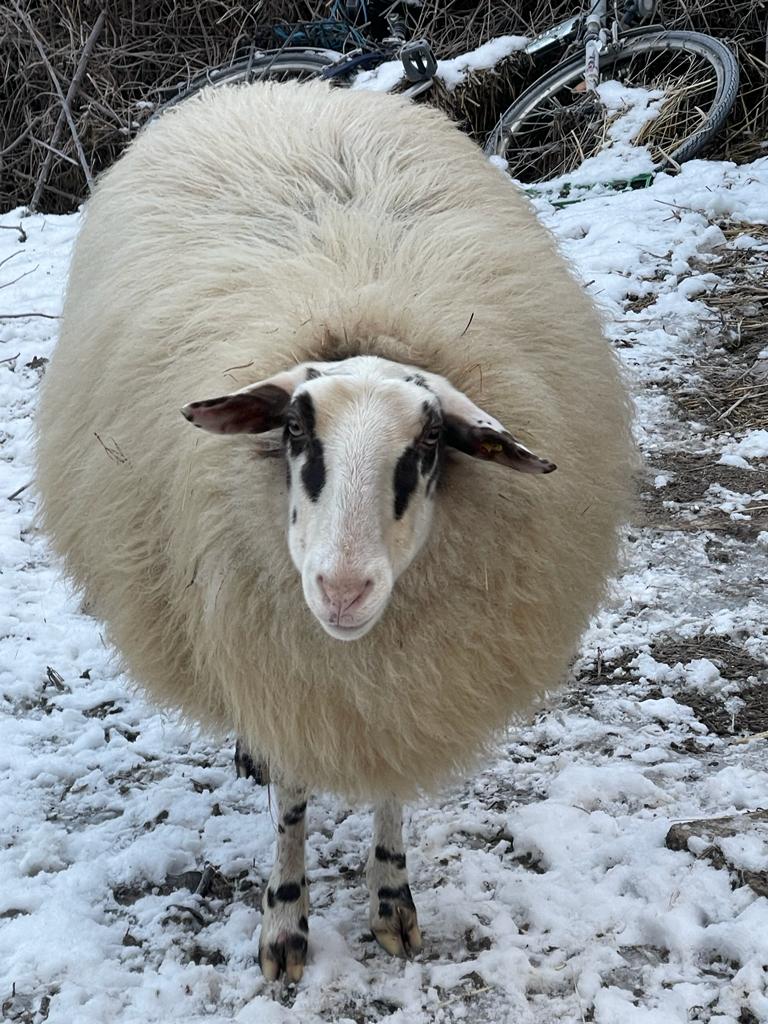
(596,34)
(418,61)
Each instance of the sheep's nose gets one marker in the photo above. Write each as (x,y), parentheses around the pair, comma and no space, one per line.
(343,593)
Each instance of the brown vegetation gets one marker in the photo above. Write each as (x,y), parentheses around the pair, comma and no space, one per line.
(79,84)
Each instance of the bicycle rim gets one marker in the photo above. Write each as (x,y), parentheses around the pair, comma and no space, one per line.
(686,81)
(273,67)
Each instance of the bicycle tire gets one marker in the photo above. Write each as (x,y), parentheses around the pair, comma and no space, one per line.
(502,141)
(299,64)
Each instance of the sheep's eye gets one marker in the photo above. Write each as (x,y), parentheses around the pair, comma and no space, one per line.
(432,436)
(295,428)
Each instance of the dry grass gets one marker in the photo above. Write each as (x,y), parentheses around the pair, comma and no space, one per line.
(146,45)
(731,384)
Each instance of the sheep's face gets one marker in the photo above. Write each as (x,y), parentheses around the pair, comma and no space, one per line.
(364,449)
(364,441)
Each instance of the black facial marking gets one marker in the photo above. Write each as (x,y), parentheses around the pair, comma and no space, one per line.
(406,479)
(423,458)
(303,923)
(303,879)
(288,892)
(313,470)
(390,856)
(312,373)
(385,909)
(306,409)
(270,898)
(418,380)
(295,814)
(281,829)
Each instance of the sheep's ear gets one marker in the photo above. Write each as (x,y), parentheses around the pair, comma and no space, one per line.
(471,430)
(251,410)
(493,446)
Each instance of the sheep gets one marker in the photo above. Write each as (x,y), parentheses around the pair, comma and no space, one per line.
(381,349)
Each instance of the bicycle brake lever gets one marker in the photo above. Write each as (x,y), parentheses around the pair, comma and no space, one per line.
(419,62)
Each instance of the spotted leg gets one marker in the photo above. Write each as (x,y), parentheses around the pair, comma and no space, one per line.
(247,766)
(392,911)
(285,903)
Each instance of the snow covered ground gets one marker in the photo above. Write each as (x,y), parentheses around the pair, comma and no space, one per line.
(545,888)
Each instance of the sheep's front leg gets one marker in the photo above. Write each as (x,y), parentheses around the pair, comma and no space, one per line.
(392,911)
(285,903)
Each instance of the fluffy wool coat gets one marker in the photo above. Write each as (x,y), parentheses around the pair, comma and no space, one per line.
(255,227)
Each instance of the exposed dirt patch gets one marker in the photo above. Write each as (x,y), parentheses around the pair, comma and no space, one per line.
(210,884)
(722,715)
(733,661)
(730,387)
(637,303)
(685,504)
(730,391)
(749,717)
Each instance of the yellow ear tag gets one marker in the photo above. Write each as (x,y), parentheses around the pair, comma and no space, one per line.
(490,448)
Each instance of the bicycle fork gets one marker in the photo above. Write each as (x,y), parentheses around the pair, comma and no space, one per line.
(595,36)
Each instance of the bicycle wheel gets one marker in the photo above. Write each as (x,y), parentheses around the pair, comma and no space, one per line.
(685,83)
(280,66)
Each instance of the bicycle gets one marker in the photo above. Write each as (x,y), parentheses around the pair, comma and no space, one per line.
(311,60)
(668,91)
(570,114)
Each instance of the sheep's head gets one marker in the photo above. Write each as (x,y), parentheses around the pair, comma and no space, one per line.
(364,441)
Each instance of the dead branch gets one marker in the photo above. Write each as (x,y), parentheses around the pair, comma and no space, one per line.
(65,100)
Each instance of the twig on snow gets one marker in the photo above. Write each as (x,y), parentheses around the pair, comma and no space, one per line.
(20,491)
(748,739)
(23,316)
(7,284)
(466,994)
(9,258)
(15,227)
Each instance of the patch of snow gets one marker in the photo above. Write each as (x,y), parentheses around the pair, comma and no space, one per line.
(453,72)
(701,674)
(734,460)
(650,669)
(754,445)
(388,75)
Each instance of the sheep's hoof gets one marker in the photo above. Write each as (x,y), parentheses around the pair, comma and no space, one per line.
(286,955)
(396,928)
